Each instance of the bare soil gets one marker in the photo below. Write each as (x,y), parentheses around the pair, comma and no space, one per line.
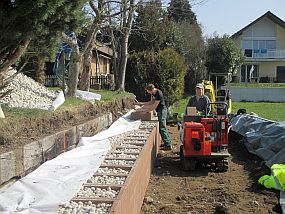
(172,190)
(14,135)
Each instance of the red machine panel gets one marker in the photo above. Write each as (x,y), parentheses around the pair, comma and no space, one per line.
(195,143)
(217,130)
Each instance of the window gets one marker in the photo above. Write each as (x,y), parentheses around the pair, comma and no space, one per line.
(271,44)
(249,73)
(259,44)
(255,44)
(248,52)
(262,44)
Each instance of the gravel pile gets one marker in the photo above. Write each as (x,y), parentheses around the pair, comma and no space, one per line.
(105,179)
(122,155)
(119,162)
(107,170)
(84,207)
(27,93)
(96,192)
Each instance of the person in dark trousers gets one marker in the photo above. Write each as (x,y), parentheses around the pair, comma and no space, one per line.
(158,104)
(200,100)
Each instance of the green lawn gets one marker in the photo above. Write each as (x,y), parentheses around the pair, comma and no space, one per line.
(16,114)
(258,85)
(271,111)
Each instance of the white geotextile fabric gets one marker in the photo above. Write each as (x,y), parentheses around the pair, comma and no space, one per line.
(56,181)
(123,124)
(59,100)
(86,95)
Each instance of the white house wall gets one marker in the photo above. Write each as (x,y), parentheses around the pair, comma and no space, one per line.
(280,38)
(269,68)
(264,28)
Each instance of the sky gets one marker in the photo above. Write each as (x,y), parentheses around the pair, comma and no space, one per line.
(229,16)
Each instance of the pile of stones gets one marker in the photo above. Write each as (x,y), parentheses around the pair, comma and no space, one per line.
(27,93)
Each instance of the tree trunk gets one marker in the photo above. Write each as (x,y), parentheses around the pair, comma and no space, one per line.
(123,63)
(124,47)
(115,58)
(40,71)
(13,58)
(74,70)
(84,83)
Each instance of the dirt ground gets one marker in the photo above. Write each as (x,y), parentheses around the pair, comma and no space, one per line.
(172,190)
(28,129)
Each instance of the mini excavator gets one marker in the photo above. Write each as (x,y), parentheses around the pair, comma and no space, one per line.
(204,138)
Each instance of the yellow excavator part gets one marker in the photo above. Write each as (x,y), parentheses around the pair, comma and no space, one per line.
(223,94)
(209,90)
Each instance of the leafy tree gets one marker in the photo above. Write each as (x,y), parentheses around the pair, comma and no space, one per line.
(180,11)
(194,54)
(223,55)
(165,68)
(39,51)
(149,30)
(154,31)
(23,21)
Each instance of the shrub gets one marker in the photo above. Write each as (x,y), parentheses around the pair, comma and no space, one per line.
(165,69)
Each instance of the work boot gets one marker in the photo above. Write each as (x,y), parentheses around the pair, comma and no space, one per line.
(166,148)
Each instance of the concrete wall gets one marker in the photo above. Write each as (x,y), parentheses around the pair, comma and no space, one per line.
(258,94)
(25,159)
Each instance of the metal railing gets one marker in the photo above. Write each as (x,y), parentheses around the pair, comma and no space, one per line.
(265,54)
(96,82)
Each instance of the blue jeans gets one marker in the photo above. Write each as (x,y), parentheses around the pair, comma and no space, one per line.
(162,127)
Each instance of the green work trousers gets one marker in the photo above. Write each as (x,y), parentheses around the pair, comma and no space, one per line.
(162,127)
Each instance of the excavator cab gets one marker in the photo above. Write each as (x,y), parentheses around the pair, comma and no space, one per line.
(218,92)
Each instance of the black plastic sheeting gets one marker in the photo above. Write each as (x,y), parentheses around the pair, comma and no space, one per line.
(263,138)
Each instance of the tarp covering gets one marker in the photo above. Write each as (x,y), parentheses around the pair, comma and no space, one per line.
(282,201)
(56,181)
(263,138)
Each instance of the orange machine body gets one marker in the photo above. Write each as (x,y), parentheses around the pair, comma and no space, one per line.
(210,135)
(195,143)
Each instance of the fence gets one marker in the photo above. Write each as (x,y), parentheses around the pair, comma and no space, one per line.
(96,82)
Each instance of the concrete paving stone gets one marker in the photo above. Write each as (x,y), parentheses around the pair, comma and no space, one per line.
(7,166)
(71,138)
(33,155)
